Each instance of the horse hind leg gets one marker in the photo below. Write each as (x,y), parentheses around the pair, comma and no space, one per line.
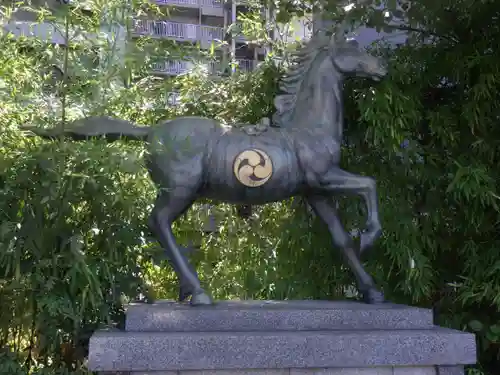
(325,210)
(185,291)
(168,207)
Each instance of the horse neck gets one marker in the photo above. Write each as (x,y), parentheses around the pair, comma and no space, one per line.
(319,105)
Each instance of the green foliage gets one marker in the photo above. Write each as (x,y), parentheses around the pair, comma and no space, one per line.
(66,258)
(68,261)
(440,192)
(74,245)
(241,98)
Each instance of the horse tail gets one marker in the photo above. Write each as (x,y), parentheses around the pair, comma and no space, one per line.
(111,129)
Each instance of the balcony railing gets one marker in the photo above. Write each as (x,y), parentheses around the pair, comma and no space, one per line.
(211,33)
(245,65)
(177,30)
(212,3)
(176,2)
(173,98)
(172,67)
(205,3)
(176,67)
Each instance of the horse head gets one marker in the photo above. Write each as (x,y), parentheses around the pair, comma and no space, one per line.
(311,89)
(352,61)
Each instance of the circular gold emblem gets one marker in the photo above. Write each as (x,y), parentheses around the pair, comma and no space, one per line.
(253,167)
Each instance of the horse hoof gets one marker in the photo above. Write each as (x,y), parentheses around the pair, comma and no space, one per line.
(184,293)
(201,299)
(373,297)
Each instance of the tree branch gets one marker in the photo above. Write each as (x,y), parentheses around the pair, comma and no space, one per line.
(420,31)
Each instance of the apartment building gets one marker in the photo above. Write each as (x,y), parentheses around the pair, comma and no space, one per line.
(205,22)
(24,23)
(202,22)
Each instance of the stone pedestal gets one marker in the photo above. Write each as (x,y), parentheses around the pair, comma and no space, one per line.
(281,337)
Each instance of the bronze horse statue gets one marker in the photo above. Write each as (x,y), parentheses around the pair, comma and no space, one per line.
(193,157)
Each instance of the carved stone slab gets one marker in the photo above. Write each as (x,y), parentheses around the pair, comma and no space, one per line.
(263,316)
(285,337)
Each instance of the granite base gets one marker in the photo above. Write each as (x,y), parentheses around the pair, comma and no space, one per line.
(428,370)
(281,337)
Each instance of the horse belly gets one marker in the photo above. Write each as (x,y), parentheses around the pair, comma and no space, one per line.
(252,170)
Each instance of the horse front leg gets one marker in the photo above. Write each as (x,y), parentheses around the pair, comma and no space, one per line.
(327,212)
(338,180)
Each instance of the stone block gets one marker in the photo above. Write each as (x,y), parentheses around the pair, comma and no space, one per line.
(450,370)
(411,370)
(236,372)
(265,316)
(405,370)
(343,371)
(160,351)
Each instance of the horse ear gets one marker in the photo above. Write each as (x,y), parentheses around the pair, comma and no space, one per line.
(339,33)
(353,43)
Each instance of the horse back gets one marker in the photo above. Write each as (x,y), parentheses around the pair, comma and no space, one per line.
(252,168)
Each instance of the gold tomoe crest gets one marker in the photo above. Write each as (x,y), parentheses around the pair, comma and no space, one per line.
(253,167)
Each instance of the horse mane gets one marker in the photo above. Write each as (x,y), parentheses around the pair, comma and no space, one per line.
(291,83)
